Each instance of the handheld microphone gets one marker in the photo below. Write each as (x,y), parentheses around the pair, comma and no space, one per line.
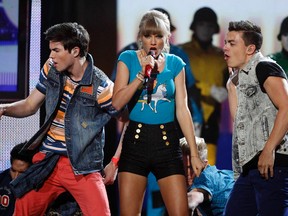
(148,68)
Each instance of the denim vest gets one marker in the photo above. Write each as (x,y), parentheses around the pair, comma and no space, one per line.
(84,119)
(254,119)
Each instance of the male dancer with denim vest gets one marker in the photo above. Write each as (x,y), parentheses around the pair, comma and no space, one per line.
(258,99)
(70,143)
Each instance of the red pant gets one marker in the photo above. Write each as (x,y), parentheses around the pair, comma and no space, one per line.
(88,190)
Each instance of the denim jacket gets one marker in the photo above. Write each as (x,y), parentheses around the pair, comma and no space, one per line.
(84,119)
(254,119)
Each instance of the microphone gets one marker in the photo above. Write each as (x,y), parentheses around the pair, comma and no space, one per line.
(148,68)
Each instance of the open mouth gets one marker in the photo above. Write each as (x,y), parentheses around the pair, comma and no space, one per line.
(226,57)
(152,51)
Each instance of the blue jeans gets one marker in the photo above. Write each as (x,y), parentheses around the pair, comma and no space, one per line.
(252,195)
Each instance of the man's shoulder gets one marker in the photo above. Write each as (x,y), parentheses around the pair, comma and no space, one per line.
(4,172)
(213,171)
(5,176)
(100,74)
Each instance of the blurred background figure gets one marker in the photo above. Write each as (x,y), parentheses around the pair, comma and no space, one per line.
(282,57)
(210,72)
(19,163)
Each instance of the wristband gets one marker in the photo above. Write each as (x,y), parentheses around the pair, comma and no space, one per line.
(140,77)
(115,160)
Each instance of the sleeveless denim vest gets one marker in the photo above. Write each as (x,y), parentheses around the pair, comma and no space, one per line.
(254,119)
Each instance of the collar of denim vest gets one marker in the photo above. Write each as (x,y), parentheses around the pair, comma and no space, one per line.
(251,63)
(87,76)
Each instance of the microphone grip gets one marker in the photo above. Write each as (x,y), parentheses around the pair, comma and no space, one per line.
(148,70)
(152,53)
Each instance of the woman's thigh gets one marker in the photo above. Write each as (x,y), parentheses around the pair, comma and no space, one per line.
(174,193)
(131,193)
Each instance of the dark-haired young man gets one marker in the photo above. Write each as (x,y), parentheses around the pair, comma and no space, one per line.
(78,104)
(258,99)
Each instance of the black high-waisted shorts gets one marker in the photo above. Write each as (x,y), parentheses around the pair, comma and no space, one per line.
(151,148)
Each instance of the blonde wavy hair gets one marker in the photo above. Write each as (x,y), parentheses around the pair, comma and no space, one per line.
(201,147)
(155,22)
